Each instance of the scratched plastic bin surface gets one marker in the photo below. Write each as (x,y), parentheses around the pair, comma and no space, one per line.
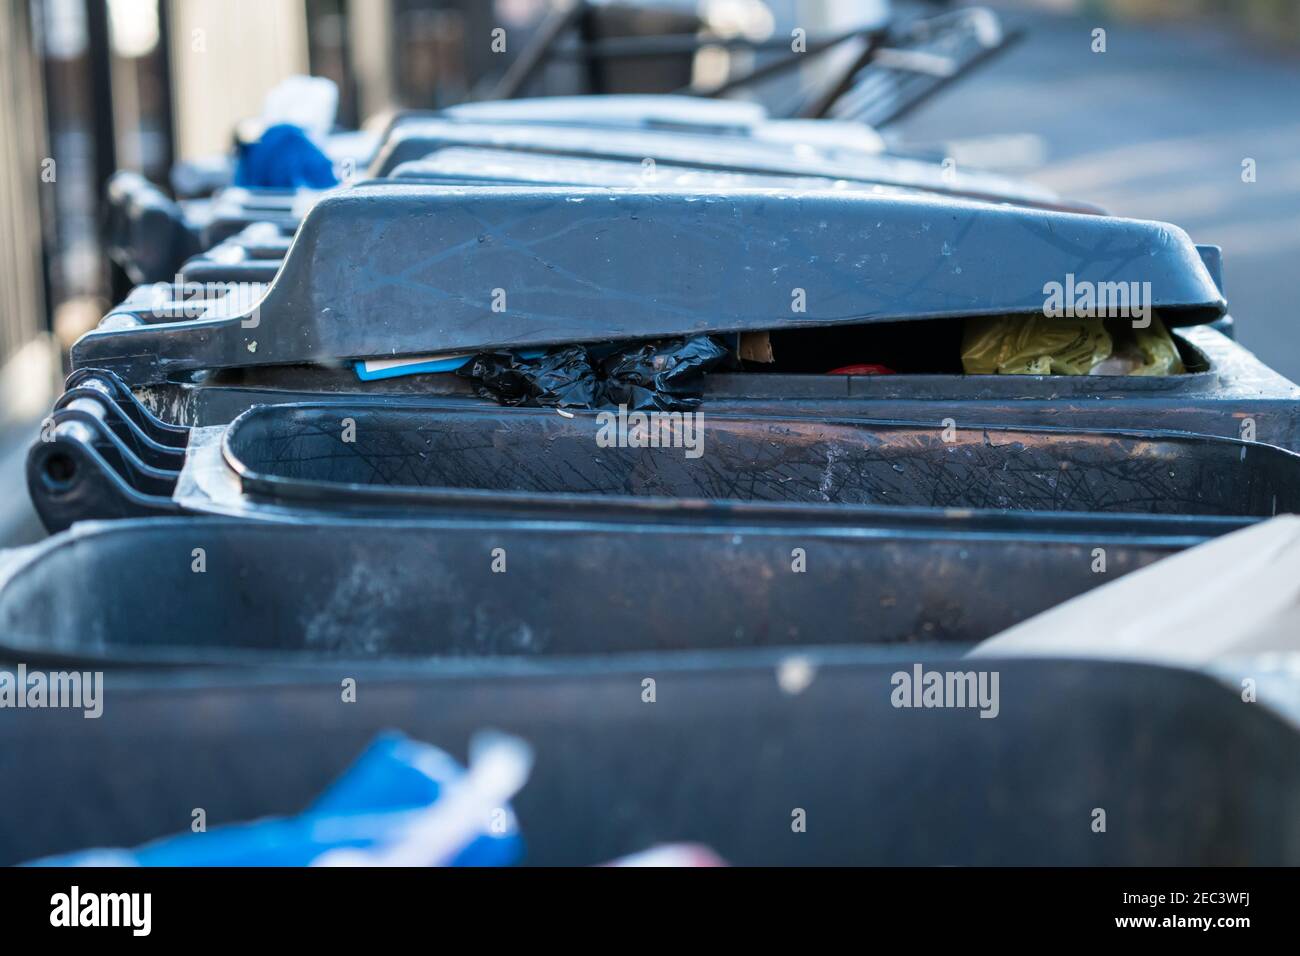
(292,451)
(721,758)
(239,591)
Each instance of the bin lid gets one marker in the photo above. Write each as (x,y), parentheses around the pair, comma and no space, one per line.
(630,110)
(418,139)
(472,164)
(392,270)
(616,109)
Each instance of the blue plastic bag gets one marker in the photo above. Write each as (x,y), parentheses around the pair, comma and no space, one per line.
(284,158)
(394,787)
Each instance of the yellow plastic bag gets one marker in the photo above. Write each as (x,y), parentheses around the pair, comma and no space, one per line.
(1033,345)
(1149,351)
(1036,345)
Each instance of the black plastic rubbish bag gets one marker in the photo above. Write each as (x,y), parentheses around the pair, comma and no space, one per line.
(660,376)
(648,376)
(560,377)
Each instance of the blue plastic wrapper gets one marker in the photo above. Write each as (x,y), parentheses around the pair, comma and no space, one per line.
(284,158)
(368,809)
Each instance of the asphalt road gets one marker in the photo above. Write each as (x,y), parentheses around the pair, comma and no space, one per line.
(1156,127)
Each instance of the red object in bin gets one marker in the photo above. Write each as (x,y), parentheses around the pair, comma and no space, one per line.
(862,370)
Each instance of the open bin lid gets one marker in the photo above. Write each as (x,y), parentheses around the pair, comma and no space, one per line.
(391,270)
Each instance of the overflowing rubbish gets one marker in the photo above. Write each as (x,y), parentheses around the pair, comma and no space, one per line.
(662,376)
(106,456)
(559,377)
(428,279)
(375,370)
(1012,345)
(1038,345)
(284,157)
(288,151)
(1146,351)
(401,803)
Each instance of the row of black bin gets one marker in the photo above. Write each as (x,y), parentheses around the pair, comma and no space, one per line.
(475,567)
(245,522)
